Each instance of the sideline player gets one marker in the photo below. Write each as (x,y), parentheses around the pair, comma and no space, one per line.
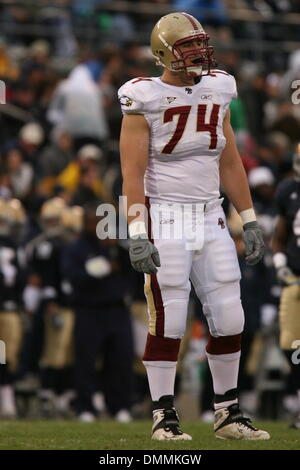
(286,259)
(176,145)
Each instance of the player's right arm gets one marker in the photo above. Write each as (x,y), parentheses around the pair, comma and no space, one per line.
(134,149)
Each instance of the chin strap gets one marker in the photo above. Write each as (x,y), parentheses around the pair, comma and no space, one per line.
(195,70)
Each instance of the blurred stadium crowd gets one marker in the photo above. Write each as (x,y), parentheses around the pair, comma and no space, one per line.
(74,331)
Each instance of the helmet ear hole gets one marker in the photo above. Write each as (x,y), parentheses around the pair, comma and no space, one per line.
(161,53)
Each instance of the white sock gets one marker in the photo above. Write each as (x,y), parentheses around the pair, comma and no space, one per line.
(224,370)
(161,378)
(7,399)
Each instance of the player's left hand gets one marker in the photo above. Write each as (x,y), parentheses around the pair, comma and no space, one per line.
(253,239)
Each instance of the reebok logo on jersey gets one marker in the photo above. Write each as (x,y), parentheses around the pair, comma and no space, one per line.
(188,90)
(170,99)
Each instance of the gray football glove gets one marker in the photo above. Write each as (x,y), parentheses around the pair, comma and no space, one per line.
(143,255)
(253,239)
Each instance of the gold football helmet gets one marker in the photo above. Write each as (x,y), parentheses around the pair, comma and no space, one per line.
(19,218)
(51,216)
(18,211)
(167,39)
(73,219)
(53,208)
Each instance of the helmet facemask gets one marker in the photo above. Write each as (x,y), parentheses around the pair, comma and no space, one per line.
(168,38)
(195,62)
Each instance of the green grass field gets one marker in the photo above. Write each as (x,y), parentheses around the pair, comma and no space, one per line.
(109,435)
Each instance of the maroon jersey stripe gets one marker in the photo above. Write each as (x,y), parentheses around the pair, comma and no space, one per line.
(141,79)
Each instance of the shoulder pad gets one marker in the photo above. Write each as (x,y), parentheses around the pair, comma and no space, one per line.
(226,82)
(135,94)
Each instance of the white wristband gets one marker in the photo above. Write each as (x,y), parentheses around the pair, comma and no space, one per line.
(279,260)
(248,215)
(137,229)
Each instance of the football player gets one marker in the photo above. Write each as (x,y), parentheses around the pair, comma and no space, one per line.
(72,219)
(10,306)
(176,145)
(286,259)
(96,271)
(47,295)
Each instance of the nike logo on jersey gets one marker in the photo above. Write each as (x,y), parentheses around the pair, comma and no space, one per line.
(170,99)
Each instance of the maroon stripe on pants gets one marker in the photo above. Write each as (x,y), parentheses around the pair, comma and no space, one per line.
(161,349)
(158,302)
(224,344)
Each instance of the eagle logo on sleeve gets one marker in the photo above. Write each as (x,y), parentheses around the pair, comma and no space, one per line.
(126,101)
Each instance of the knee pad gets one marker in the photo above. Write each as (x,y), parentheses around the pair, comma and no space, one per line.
(224,344)
(173,276)
(225,318)
(161,349)
(175,318)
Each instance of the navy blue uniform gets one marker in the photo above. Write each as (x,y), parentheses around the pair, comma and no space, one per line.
(44,261)
(10,304)
(102,323)
(288,203)
(10,276)
(88,291)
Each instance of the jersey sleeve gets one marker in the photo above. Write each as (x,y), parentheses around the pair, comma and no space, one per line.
(234,93)
(226,85)
(130,100)
(230,89)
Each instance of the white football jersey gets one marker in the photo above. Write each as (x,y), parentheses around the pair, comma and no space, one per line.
(186,133)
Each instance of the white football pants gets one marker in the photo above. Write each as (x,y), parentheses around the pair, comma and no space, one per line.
(209,261)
